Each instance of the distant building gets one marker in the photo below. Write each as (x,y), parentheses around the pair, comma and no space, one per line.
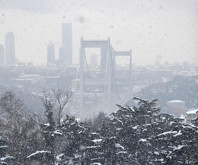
(10,48)
(66,44)
(61,57)
(50,54)
(191,114)
(2,60)
(177,107)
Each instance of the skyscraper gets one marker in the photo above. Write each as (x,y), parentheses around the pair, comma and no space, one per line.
(10,48)
(50,53)
(61,56)
(2,62)
(66,44)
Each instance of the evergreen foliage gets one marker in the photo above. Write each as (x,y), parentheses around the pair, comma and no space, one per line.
(137,135)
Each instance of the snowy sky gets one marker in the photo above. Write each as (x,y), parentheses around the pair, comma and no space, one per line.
(151,28)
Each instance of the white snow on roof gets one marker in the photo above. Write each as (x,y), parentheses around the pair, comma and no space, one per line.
(175,101)
(176,104)
(182,116)
(192,111)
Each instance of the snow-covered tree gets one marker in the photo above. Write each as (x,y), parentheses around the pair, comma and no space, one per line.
(73,140)
(131,128)
(54,101)
(132,135)
(5,158)
(18,126)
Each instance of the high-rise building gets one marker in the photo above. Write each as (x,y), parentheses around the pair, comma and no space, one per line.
(62,60)
(10,48)
(50,53)
(2,62)
(66,44)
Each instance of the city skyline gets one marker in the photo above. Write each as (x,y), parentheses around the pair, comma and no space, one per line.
(150,28)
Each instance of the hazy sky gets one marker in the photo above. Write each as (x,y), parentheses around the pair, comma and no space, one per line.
(151,28)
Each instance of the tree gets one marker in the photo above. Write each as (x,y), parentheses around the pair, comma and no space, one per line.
(61,98)
(5,158)
(132,135)
(18,126)
(73,140)
(54,102)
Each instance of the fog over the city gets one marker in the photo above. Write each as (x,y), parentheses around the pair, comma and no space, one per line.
(153,29)
(98,82)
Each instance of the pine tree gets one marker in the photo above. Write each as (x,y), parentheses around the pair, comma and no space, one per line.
(132,129)
(74,140)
